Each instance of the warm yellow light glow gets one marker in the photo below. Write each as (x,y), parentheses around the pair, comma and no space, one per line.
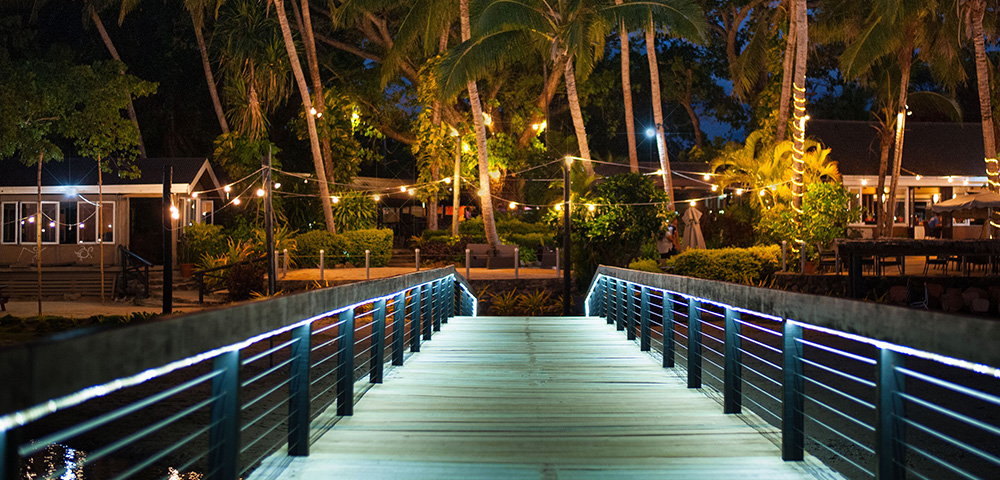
(658,172)
(355,117)
(936,197)
(951,179)
(965,182)
(739,191)
(227,188)
(447,179)
(513,205)
(319,114)
(312,111)
(402,189)
(539,127)
(194,195)
(569,161)
(558,207)
(495,174)
(692,203)
(918,178)
(377,198)
(411,191)
(465,147)
(260,192)
(454,132)
(487,119)
(173,215)
(236,201)
(864,181)
(715,187)
(706,176)
(335,199)
(591,207)
(762,192)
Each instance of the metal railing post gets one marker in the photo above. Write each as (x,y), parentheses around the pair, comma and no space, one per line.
(453,298)
(733,389)
(298,393)
(377,362)
(322,265)
(368,264)
(415,316)
(398,322)
(517,261)
(890,431)
(792,398)
(345,364)
(620,312)
(416,260)
(437,308)
(10,461)
(668,330)
(644,340)
(609,298)
(224,435)
(694,344)
(426,310)
(629,312)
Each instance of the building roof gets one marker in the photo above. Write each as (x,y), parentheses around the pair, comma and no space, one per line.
(83,171)
(929,148)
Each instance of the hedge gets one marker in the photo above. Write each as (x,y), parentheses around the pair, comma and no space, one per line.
(346,247)
(750,266)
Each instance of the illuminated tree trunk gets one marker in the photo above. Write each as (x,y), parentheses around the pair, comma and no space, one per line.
(799,87)
(661,139)
(577,115)
(633,157)
(787,68)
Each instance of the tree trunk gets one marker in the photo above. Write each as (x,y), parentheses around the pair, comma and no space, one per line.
(687,101)
(983,84)
(885,143)
(486,199)
(456,185)
(300,80)
(633,156)
(206,64)
(432,203)
(661,139)
(38,234)
(799,85)
(114,54)
(548,91)
(100,223)
(577,115)
(786,74)
(905,62)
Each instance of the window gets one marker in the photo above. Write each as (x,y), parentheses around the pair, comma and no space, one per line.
(48,222)
(87,216)
(10,222)
(207,211)
(67,223)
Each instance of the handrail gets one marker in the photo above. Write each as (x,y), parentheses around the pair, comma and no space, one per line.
(250,357)
(199,275)
(133,262)
(883,391)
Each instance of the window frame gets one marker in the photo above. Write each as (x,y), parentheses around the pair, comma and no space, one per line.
(20,236)
(97,235)
(17,225)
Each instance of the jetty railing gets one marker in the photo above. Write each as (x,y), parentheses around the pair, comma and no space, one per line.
(212,392)
(872,390)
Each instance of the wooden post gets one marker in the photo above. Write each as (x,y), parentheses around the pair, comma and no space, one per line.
(224,435)
(377,361)
(793,400)
(298,393)
(345,364)
(733,390)
(694,344)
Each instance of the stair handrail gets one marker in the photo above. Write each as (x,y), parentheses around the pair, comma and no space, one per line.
(133,262)
(199,275)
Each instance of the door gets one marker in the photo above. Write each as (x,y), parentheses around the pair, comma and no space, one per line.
(146,228)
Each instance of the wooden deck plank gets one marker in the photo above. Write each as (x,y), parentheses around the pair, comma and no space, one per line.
(538,398)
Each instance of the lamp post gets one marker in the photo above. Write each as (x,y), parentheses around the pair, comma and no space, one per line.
(566,238)
(272,286)
(168,244)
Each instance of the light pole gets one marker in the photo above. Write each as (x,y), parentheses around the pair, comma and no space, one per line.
(566,238)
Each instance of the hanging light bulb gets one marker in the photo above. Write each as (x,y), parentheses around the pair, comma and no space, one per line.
(277,184)
(335,199)
(402,189)
(591,207)
(312,111)
(762,192)
(558,207)
(377,198)
(918,177)
(194,195)
(715,188)
(236,201)
(513,205)
(739,191)
(173,214)
(52,224)
(31,219)
(411,191)
(447,180)
(707,177)
(260,192)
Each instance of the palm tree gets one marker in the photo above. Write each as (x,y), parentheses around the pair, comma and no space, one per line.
(633,158)
(787,69)
(799,99)
(300,80)
(485,197)
(571,33)
(661,140)
(975,10)
(762,168)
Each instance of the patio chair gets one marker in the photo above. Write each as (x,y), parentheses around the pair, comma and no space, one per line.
(937,261)
(891,262)
(828,260)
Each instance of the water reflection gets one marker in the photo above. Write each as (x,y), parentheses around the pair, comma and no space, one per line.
(67,463)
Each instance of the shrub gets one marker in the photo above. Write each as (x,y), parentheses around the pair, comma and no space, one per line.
(528,255)
(354,211)
(378,241)
(504,304)
(201,239)
(284,238)
(537,303)
(243,280)
(749,266)
(645,265)
(310,243)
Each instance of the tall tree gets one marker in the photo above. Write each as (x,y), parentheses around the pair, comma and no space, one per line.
(633,156)
(975,12)
(309,112)
(799,101)
(787,69)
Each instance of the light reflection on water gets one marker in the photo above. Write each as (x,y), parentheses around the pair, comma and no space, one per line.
(68,463)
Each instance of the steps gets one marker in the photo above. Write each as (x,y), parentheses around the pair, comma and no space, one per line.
(401,257)
(58,282)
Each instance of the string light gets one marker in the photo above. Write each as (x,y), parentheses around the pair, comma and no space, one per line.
(411,191)
(236,201)
(402,189)
(377,198)
(260,192)
(194,195)
(513,205)
(335,199)
(706,176)
(692,203)
(558,207)
(277,184)
(591,207)
(715,187)
(739,191)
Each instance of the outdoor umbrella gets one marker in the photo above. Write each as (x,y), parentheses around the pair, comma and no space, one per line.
(692,229)
(975,205)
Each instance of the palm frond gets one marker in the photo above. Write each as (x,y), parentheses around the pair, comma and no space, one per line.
(494,16)
(681,18)
(479,57)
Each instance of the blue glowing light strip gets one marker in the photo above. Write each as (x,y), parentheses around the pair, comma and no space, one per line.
(951,361)
(475,301)
(31,414)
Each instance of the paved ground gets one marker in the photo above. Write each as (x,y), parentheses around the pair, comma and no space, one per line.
(184,301)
